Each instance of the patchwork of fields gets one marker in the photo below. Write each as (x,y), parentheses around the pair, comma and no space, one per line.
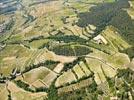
(66,50)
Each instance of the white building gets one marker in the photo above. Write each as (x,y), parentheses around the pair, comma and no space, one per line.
(100,39)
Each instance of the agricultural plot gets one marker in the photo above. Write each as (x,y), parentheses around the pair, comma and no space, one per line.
(33,57)
(18,93)
(45,55)
(2,87)
(97,61)
(78,71)
(76,86)
(96,68)
(63,79)
(35,75)
(130,12)
(66,49)
(131,65)
(31,34)
(48,79)
(49,55)
(4,95)
(13,57)
(29,96)
(38,84)
(116,43)
(63,59)
(119,61)
(85,69)
(59,68)
(38,76)
(3,92)
(104,86)
(71,30)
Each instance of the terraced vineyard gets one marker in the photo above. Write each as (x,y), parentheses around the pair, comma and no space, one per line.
(66,49)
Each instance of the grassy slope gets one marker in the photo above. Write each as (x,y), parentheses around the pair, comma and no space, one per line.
(112,21)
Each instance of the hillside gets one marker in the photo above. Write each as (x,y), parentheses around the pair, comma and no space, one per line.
(66,49)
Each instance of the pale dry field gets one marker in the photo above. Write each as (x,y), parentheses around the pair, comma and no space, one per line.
(76,86)
(66,77)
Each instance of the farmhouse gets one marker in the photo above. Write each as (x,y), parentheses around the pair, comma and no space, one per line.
(100,39)
(130,3)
